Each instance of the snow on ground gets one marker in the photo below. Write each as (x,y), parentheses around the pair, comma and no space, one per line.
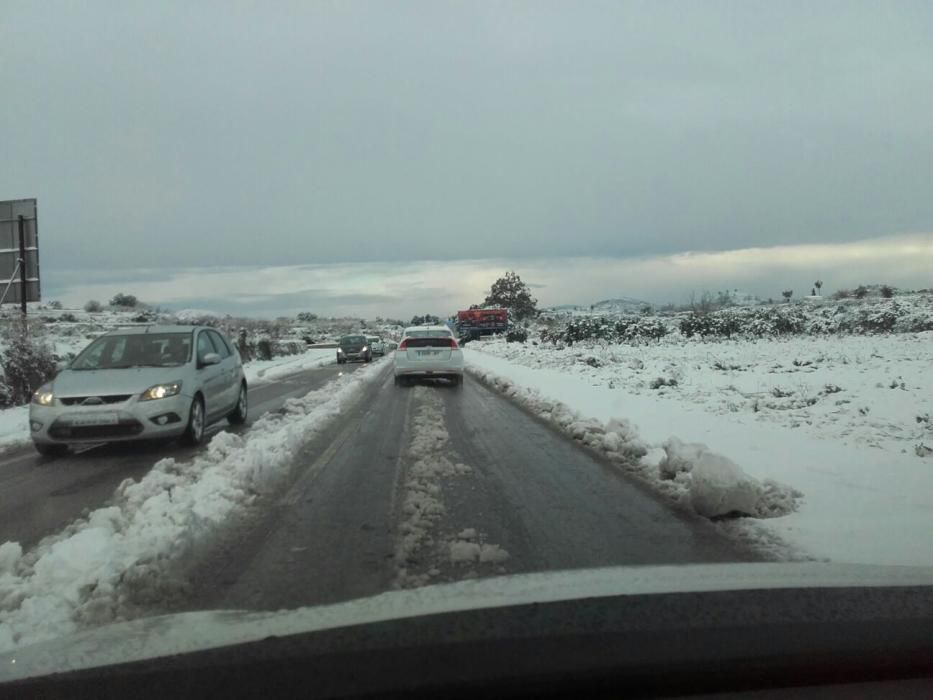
(421,548)
(859,390)
(81,575)
(261,371)
(14,427)
(836,484)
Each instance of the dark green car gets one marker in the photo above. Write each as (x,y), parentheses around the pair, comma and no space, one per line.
(354,347)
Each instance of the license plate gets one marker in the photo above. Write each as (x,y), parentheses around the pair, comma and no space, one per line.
(95,419)
(429,352)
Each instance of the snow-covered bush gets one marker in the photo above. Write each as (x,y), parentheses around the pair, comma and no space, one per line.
(28,363)
(516,335)
(907,314)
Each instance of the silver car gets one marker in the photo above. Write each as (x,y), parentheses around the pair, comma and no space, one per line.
(138,384)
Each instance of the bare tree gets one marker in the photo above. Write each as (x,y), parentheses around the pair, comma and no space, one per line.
(787,294)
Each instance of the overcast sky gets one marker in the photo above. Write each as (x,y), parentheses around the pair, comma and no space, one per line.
(159,136)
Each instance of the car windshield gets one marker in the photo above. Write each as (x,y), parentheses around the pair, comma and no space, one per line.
(648,286)
(138,350)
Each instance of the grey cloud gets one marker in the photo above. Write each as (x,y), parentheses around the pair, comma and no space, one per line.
(203,134)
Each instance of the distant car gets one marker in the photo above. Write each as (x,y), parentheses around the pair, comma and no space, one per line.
(377,345)
(354,347)
(141,383)
(428,352)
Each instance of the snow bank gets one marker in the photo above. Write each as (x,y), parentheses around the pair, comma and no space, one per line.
(689,473)
(719,487)
(864,501)
(80,576)
(14,427)
(260,371)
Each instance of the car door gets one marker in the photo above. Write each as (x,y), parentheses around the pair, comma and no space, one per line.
(229,364)
(211,377)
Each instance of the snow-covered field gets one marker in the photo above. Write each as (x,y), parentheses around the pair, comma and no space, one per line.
(827,437)
(81,575)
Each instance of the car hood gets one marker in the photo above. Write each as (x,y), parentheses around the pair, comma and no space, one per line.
(197,631)
(98,382)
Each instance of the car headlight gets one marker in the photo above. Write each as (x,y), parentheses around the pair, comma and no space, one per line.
(161,391)
(44,396)
(364,349)
(340,350)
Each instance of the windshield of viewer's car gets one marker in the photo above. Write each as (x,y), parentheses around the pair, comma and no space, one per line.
(455,291)
(138,350)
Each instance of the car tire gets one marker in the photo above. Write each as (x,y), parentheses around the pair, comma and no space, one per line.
(239,414)
(47,449)
(194,431)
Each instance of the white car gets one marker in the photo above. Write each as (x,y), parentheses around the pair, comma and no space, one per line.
(377,345)
(141,383)
(428,352)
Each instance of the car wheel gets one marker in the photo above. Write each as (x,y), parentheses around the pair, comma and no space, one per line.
(238,417)
(194,433)
(47,449)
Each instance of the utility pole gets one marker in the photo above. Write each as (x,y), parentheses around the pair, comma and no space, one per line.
(22,265)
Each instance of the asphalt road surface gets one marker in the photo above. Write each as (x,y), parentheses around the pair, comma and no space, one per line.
(40,496)
(434,483)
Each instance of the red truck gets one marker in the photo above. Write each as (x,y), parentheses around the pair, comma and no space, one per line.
(476,322)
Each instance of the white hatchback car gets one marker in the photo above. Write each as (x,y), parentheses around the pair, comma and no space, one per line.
(141,383)
(428,352)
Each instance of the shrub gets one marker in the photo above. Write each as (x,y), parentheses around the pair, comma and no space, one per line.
(124,301)
(516,335)
(887,291)
(68,317)
(27,364)
(264,349)
(860,292)
(842,294)
(92,306)
(55,305)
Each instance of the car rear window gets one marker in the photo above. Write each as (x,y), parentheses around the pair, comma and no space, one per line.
(429,334)
(436,341)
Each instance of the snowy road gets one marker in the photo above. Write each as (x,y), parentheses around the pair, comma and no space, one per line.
(431,484)
(39,497)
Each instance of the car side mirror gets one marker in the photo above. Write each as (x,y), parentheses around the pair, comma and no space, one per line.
(211,358)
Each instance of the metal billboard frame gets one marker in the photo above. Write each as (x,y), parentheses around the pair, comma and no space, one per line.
(19,252)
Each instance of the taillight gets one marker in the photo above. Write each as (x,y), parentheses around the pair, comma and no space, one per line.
(403,345)
(453,344)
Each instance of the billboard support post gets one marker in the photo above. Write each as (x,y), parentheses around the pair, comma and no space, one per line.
(22,264)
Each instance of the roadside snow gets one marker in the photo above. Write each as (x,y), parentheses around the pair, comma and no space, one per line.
(14,427)
(260,371)
(80,576)
(845,502)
